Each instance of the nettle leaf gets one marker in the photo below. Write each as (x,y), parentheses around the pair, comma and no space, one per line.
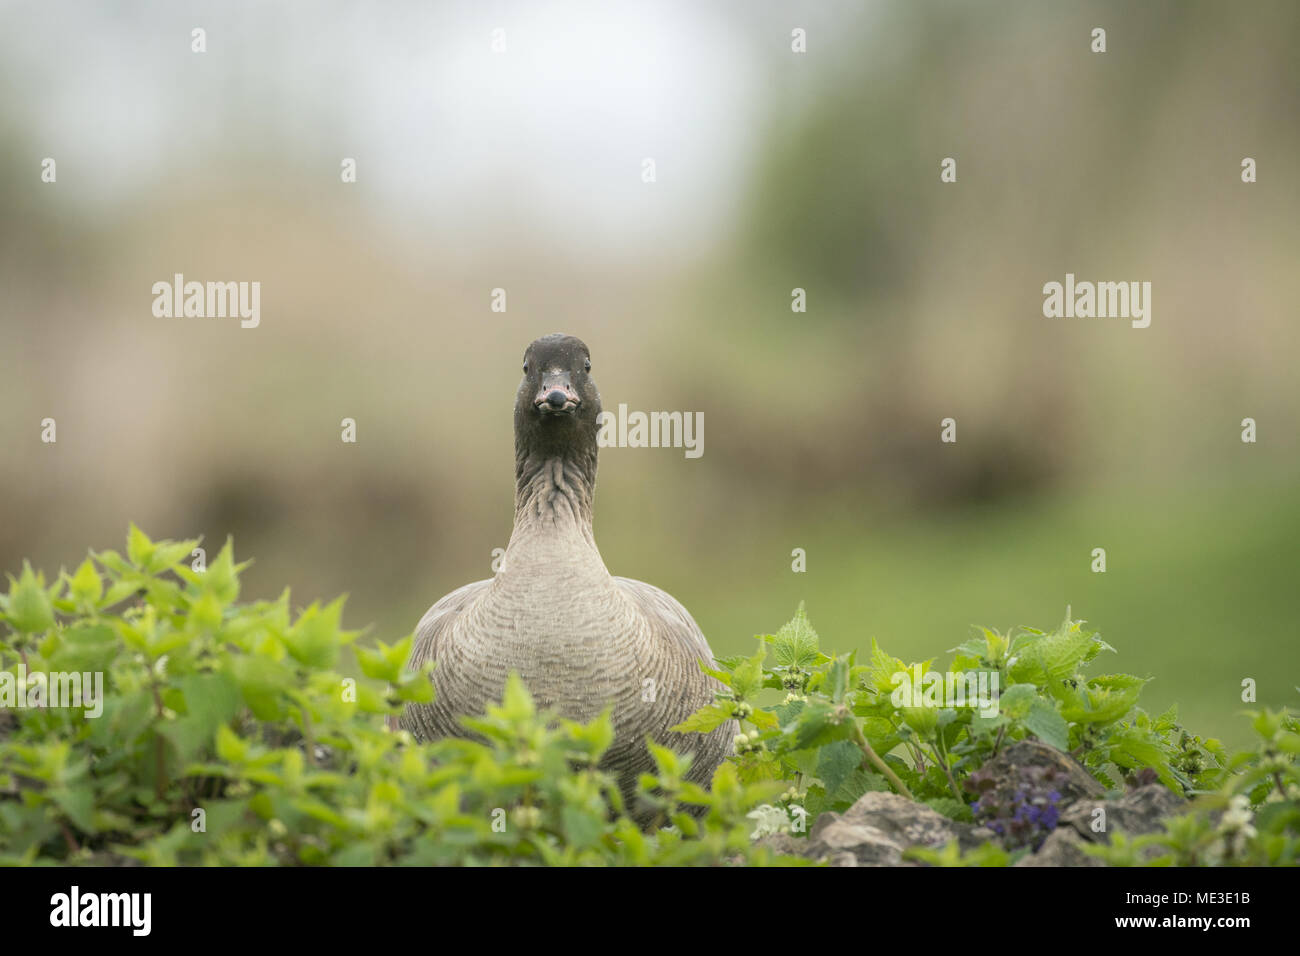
(836,683)
(971,650)
(1049,658)
(85,647)
(167,554)
(669,765)
(211,700)
(316,637)
(230,746)
(747,677)
(1103,700)
(796,643)
(854,786)
(722,677)
(1167,721)
(818,724)
(597,736)
(836,763)
(263,682)
(139,549)
(883,670)
(221,577)
(1017,700)
(85,587)
(516,702)
(1047,724)
(29,608)
(786,713)
(923,720)
(814,801)
(708,718)
(981,725)
(384,662)
(1132,749)
(991,647)
(756,767)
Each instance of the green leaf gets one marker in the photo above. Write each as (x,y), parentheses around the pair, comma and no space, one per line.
(379,662)
(30,609)
(315,638)
(78,802)
(747,678)
(1046,659)
(210,701)
(1017,700)
(722,677)
(837,680)
(883,667)
(923,720)
(581,827)
(1102,700)
(85,647)
(817,725)
(1047,724)
(796,643)
(836,763)
(139,549)
(516,702)
(230,746)
(86,587)
(708,718)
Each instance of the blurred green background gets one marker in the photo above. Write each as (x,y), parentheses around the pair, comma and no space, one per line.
(522,170)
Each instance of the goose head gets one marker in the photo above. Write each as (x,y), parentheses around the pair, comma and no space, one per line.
(557,406)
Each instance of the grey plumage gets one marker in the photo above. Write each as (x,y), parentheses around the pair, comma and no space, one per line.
(579,637)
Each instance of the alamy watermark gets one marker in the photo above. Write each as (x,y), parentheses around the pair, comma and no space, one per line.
(130,910)
(55,689)
(1098,300)
(977,689)
(208,300)
(651,430)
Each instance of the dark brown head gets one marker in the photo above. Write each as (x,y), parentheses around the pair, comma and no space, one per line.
(557,404)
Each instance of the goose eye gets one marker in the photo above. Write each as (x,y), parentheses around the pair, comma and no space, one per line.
(525,368)
(586,365)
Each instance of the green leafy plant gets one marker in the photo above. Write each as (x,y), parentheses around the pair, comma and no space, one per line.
(1253,819)
(255,734)
(229,735)
(833,728)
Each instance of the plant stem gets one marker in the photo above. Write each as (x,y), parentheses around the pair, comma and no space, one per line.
(918,757)
(308,742)
(880,765)
(73,848)
(938,758)
(159,756)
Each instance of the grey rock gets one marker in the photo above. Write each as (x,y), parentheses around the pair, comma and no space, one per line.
(1063,847)
(1077,782)
(879,827)
(1137,812)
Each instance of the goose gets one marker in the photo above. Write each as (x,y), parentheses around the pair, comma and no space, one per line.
(580,638)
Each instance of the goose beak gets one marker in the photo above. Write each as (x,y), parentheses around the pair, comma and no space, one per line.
(556,396)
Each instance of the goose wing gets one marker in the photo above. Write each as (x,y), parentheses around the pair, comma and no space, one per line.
(683,683)
(429,635)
